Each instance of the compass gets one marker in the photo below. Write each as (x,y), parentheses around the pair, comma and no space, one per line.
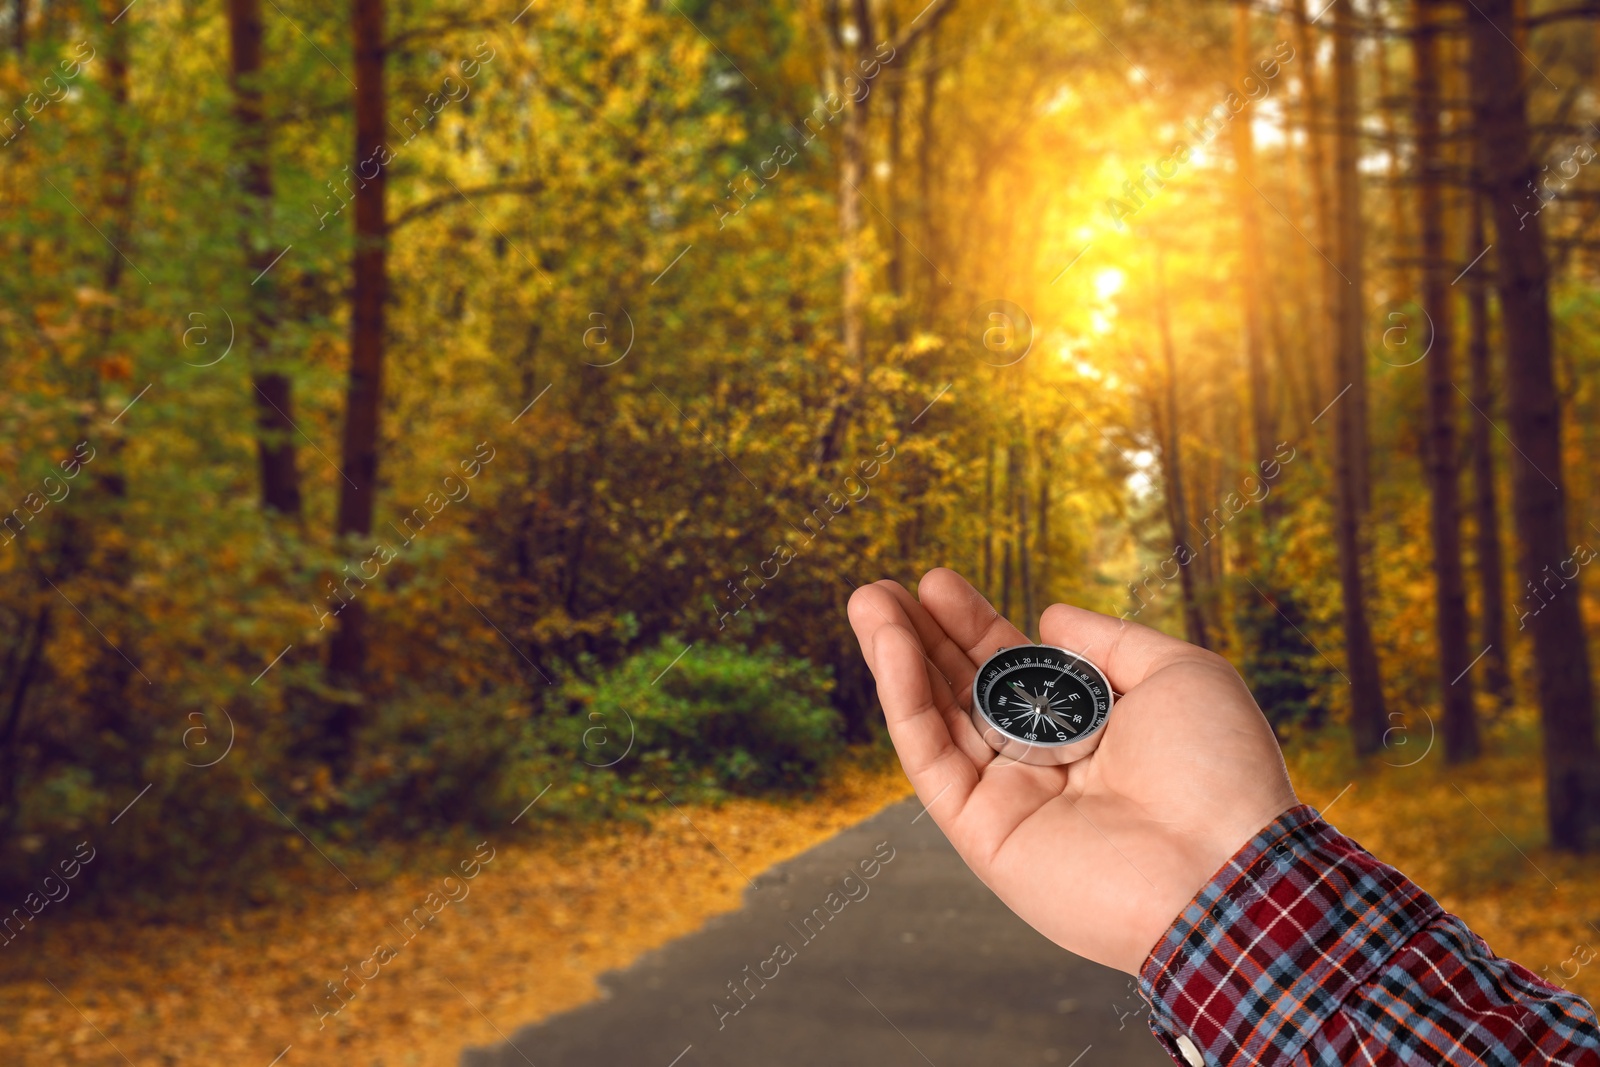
(1040,704)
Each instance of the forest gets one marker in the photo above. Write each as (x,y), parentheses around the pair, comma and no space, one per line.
(656,328)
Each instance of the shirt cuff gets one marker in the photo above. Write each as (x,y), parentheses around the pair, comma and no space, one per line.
(1298,919)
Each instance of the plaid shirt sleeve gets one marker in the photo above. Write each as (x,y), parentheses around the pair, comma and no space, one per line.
(1306,950)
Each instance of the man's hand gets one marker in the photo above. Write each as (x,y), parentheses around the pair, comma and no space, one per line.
(1101,855)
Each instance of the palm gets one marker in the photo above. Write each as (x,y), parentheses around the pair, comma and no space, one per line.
(1102,854)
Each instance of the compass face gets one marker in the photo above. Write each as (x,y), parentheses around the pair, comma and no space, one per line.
(1042,695)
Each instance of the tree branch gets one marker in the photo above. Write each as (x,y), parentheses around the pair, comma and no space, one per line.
(438,203)
(927,20)
(1561,14)
(433,32)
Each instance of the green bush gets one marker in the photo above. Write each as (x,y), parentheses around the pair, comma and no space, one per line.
(431,760)
(719,720)
(1285,672)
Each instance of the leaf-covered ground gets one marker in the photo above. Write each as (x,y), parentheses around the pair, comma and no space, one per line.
(541,921)
(1472,837)
(526,938)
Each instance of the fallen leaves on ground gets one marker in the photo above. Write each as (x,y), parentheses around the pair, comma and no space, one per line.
(542,920)
(1473,836)
(529,937)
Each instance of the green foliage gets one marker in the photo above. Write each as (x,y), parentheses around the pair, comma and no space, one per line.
(433,760)
(719,720)
(1288,677)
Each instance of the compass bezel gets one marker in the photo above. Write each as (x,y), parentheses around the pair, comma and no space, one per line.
(1043,753)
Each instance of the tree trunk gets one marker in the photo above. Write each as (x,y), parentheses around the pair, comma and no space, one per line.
(1461,742)
(1292,365)
(1480,440)
(1194,620)
(1561,657)
(852,150)
(1255,278)
(117,178)
(926,143)
(988,518)
(843,55)
(1042,541)
(1489,559)
(109,673)
(1024,562)
(1399,284)
(1367,716)
(895,97)
(1351,238)
(280,483)
(1208,487)
(347,652)
(1323,358)
(22,669)
(1005,580)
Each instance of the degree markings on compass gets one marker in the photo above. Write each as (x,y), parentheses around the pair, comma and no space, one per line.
(1041,711)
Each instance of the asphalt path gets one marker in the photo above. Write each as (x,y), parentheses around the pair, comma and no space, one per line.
(877,947)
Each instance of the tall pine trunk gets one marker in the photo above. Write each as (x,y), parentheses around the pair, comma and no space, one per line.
(347,652)
(1042,539)
(1256,287)
(1533,408)
(1491,568)
(1005,580)
(108,672)
(852,157)
(926,143)
(1367,717)
(1292,362)
(1024,557)
(847,49)
(895,268)
(1399,283)
(280,483)
(1489,558)
(1322,373)
(1171,434)
(1461,742)
(988,519)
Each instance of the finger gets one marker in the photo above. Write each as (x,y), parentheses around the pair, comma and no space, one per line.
(887,602)
(1127,652)
(967,617)
(950,658)
(871,607)
(921,735)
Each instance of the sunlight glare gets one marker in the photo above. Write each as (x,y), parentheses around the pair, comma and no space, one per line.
(1108,282)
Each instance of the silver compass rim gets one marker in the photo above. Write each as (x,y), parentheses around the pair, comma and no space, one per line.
(1035,753)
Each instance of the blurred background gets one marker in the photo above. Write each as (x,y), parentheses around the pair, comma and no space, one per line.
(432,432)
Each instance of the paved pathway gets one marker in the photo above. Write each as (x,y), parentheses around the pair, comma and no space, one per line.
(917,965)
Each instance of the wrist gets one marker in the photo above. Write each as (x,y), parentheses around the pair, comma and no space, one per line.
(1205,856)
(1298,909)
